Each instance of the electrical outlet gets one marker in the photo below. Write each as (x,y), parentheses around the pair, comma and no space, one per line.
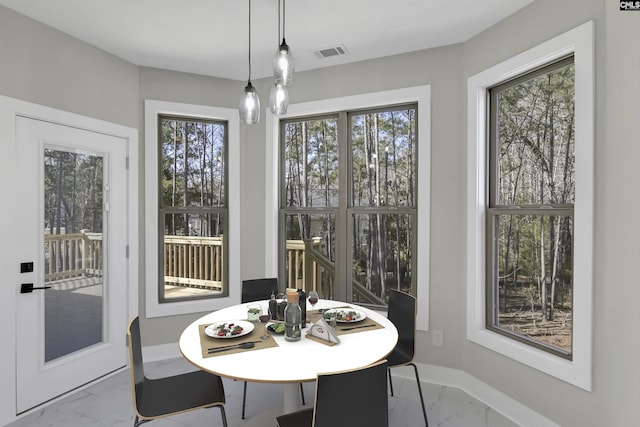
(437,339)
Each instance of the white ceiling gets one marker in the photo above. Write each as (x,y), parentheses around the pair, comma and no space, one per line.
(210,37)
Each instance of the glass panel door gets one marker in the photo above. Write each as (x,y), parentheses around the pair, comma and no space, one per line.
(69,243)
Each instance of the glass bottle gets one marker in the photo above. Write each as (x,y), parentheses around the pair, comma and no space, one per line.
(273,307)
(292,317)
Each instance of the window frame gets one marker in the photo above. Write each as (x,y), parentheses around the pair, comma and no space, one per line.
(164,210)
(417,94)
(496,209)
(353,210)
(344,211)
(153,110)
(578,42)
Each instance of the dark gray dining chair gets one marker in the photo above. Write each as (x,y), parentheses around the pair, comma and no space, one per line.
(346,399)
(402,313)
(258,290)
(172,395)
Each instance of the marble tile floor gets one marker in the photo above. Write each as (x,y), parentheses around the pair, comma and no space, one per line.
(108,404)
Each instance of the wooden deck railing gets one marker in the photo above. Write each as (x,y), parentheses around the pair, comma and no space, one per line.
(193,262)
(297,263)
(196,262)
(320,273)
(68,256)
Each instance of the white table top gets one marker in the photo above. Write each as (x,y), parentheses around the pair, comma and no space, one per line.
(289,362)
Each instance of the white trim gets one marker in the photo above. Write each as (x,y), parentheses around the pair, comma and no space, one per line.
(580,42)
(419,94)
(498,401)
(152,109)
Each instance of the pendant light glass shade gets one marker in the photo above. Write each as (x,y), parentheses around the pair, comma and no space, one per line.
(284,65)
(249,105)
(279,99)
(249,101)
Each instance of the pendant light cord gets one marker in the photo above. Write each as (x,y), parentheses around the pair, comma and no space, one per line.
(284,18)
(279,23)
(249,41)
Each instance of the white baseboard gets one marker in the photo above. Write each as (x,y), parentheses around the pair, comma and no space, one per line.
(500,402)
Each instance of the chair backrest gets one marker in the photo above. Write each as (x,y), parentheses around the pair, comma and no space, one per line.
(402,313)
(352,398)
(136,366)
(258,289)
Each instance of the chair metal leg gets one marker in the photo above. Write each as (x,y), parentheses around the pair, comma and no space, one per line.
(424,411)
(244,398)
(302,394)
(224,415)
(137,421)
(390,381)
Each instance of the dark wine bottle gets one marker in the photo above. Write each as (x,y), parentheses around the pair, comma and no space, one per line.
(302,301)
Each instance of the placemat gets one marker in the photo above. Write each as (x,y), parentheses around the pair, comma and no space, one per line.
(365,325)
(206,342)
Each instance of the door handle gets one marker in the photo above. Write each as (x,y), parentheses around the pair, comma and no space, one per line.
(27,288)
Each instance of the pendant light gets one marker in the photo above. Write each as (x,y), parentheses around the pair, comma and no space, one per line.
(283,63)
(249,101)
(279,99)
(279,96)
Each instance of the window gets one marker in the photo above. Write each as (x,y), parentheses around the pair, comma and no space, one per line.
(191,195)
(531,184)
(353,196)
(373,186)
(530,207)
(193,208)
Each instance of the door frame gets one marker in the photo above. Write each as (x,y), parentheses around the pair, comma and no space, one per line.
(10,108)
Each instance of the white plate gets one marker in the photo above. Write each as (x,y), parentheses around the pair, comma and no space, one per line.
(212,330)
(341,313)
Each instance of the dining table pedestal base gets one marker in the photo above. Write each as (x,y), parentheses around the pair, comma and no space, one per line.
(291,397)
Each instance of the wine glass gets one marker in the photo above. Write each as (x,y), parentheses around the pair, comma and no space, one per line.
(264,318)
(313,299)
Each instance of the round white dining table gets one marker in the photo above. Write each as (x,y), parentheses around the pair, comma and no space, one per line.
(291,362)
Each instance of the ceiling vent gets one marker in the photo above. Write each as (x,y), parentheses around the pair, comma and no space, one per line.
(331,51)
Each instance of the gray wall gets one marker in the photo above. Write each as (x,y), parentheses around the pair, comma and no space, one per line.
(44,66)
(47,67)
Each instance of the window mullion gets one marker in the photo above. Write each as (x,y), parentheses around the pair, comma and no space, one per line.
(343,221)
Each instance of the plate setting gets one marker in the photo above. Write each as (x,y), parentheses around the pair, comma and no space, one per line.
(229,329)
(276,327)
(349,315)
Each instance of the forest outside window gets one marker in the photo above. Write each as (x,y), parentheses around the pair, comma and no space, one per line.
(530,224)
(349,203)
(193,208)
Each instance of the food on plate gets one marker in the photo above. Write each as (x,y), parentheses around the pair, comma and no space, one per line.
(228,329)
(277,327)
(347,316)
